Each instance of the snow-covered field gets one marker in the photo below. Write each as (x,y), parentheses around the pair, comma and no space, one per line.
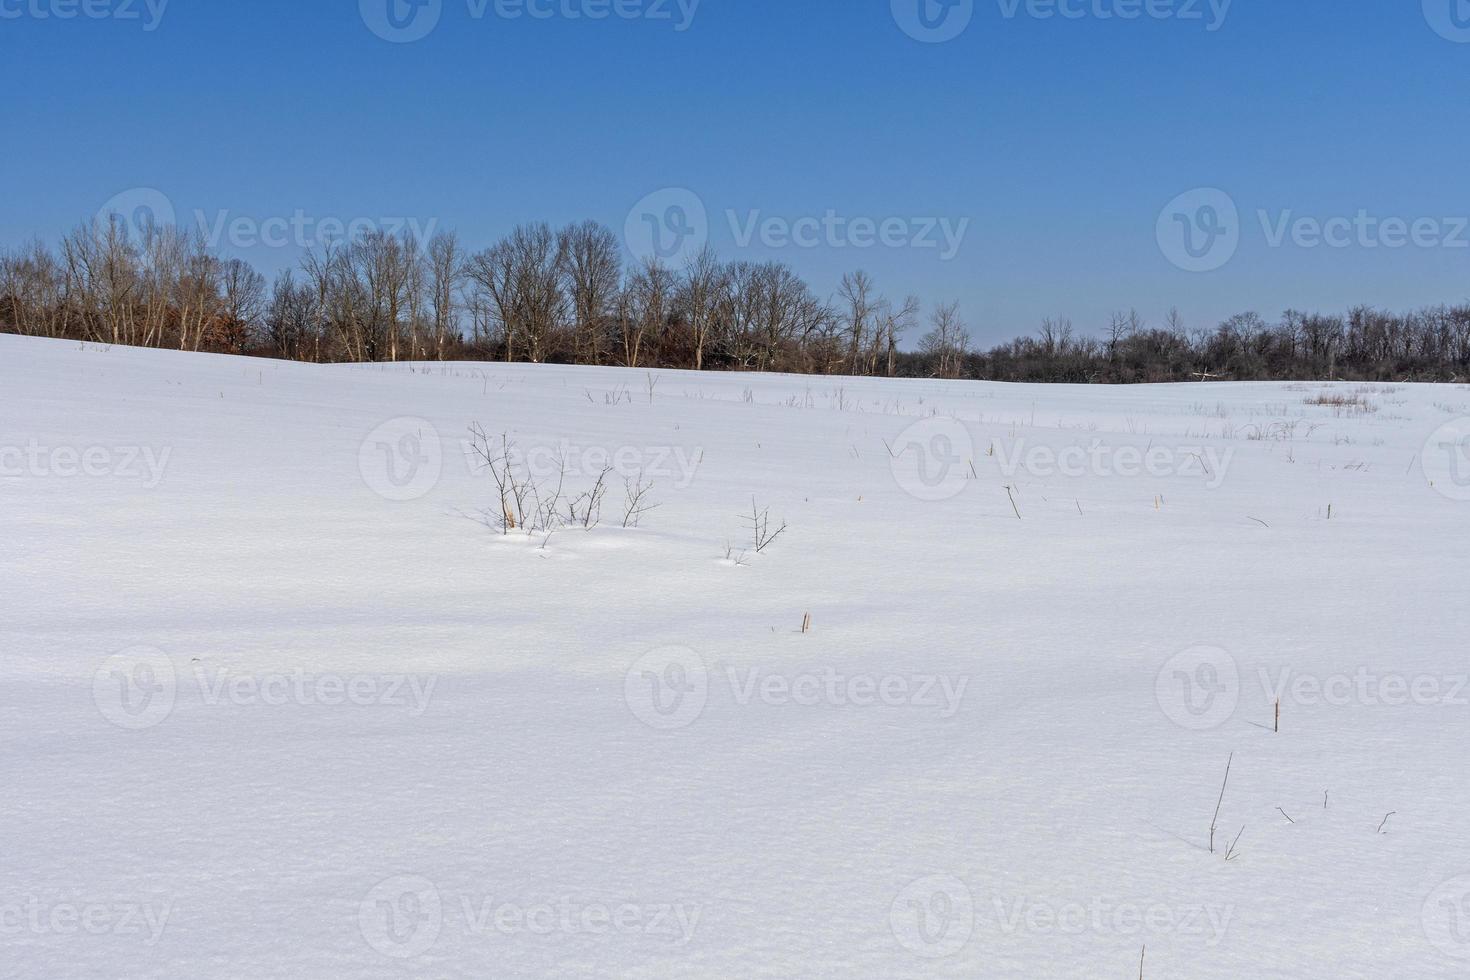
(283,700)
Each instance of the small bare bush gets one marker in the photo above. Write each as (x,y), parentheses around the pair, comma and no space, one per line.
(537,508)
(1344,403)
(637,502)
(758,522)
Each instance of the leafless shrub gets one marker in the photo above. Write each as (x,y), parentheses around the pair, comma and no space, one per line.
(514,491)
(1218,411)
(1344,403)
(586,509)
(527,505)
(758,521)
(1281,430)
(637,502)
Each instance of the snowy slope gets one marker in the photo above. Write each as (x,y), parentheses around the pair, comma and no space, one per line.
(282,701)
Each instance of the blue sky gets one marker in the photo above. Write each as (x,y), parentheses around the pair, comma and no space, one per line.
(1056,143)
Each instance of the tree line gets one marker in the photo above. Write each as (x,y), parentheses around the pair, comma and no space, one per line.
(567,295)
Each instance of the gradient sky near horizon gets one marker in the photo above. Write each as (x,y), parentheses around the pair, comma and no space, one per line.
(1212,156)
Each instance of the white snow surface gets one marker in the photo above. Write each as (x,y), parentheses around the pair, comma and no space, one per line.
(281,699)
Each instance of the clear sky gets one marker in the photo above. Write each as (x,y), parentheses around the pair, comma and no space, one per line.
(1048,137)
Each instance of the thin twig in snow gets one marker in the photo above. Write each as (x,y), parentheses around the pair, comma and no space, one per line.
(1214,821)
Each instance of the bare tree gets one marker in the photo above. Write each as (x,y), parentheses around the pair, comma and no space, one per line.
(493,272)
(520,276)
(704,297)
(32,291)
(1121,326)
(102,276)
(859,311)
(947,342)
(591,268)
(446,275)
(644,308)
(896,321)
(290,317)
(242,303)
